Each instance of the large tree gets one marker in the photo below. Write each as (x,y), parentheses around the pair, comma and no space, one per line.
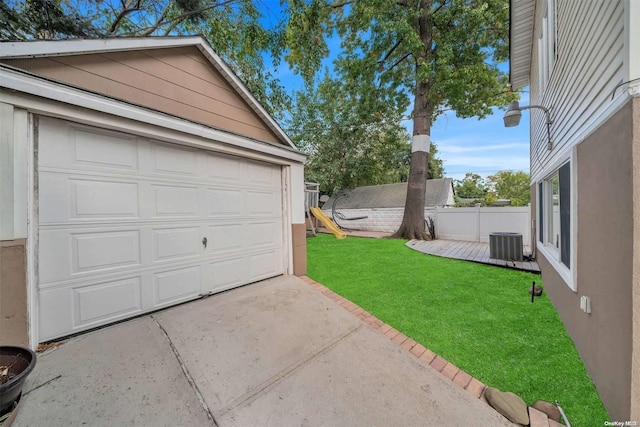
(348,146)
(437,54)
(512,185)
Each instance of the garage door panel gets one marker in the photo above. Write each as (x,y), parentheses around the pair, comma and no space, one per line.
(176,243)
(174,286)
(173,160)
(55,198)
(223,202)
(103,199)
(105,151)
(99,252)
(223,168)
(54,262)
(73,146)
(266,264)
(226,274)
(262,234)
(108,301)
(65,198)
(172,200)
(226,238)
(263,175)
(55,313)
(263,203)
(71,309)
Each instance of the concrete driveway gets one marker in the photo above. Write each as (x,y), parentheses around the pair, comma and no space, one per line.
(275,353)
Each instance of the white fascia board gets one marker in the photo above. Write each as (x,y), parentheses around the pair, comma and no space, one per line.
(40,48)
(32,85)
(34,49)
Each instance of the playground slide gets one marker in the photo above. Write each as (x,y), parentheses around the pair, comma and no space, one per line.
(329,225)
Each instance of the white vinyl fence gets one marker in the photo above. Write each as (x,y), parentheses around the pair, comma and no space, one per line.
(469,224)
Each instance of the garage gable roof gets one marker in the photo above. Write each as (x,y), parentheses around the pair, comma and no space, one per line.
(53,48)
(522,15)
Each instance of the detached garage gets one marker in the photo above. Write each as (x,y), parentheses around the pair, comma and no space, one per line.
(136,174)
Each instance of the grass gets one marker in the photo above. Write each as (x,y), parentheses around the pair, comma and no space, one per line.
(476,316)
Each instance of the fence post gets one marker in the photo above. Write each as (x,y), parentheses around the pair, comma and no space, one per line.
(477,222)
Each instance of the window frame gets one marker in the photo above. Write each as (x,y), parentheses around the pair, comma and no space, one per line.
(554,255)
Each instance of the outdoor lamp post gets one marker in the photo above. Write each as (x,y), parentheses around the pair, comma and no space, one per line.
(514,114)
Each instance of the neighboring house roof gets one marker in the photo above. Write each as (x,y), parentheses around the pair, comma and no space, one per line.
(25,50)
(439,192)
(522,14)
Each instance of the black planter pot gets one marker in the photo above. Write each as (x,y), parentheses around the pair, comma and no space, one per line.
(20,362)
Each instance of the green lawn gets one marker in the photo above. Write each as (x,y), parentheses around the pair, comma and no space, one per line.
(478,317)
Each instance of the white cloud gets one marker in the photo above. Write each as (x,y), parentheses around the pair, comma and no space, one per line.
(445,147)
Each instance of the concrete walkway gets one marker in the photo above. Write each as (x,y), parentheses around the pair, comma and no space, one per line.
(276,353)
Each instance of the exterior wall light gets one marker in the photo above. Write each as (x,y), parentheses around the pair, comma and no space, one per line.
(514,114)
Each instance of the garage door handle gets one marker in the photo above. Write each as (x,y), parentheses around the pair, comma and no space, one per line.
(204,241)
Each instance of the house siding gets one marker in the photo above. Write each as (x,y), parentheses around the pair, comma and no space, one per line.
(635,355)
(589,65)
(176,81)
(13,293)
(605,261)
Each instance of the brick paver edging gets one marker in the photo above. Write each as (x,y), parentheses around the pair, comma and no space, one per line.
(448,369)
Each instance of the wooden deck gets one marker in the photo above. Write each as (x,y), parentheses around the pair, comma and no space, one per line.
(469,251)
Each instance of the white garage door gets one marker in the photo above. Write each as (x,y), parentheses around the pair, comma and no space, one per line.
(128,225)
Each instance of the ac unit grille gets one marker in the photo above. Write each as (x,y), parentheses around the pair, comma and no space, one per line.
(505,246)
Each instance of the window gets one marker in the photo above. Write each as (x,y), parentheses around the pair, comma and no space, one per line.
(554,214)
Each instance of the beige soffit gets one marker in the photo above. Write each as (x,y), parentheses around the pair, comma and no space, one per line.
(522,16)
(35,49)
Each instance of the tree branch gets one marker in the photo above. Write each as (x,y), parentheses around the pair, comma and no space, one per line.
(399,61)
(439,7)
(337,6)
(127,9)
(395,46)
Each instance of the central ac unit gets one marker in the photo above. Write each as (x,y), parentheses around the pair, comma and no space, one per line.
(505,246)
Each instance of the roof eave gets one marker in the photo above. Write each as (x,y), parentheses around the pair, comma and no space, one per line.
(521,22)
(44,48)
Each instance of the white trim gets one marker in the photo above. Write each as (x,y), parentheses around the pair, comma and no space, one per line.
(80,46)
(287,219)
(35,86)
(40,48)
(632,41)
(32,239)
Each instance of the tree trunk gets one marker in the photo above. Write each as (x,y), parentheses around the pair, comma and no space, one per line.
(413,222)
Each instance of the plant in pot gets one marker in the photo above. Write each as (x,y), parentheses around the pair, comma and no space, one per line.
(16,363)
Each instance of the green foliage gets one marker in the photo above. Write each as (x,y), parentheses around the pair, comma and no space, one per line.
(478,317)
(472,186)
(383,54)
(436,169)
(511,185)
(43,19)
(348,147)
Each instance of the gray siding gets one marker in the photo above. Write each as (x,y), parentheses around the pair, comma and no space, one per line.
(589,64)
